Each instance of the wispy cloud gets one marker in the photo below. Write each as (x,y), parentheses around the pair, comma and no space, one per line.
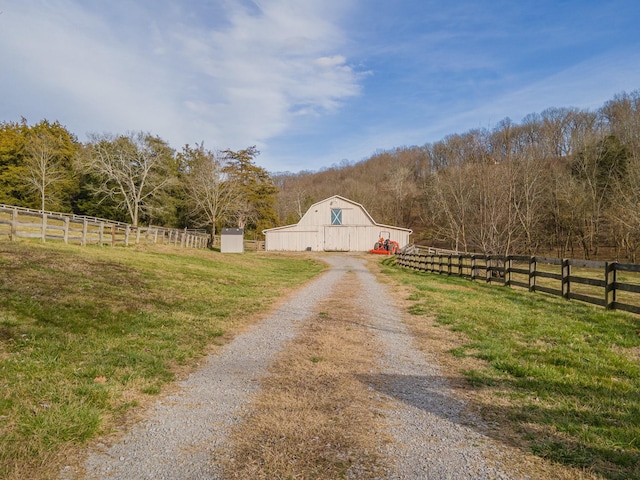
(238,79)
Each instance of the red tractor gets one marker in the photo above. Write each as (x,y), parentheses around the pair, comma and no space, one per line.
(385,246)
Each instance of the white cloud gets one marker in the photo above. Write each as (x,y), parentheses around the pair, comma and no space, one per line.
(232,81)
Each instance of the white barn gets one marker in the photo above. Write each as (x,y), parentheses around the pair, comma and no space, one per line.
(335,224)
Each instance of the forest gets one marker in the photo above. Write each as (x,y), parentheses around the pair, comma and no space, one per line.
(563,182)
(135,178)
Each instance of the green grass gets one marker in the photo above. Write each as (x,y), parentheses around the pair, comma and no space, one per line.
(87,333)
(568,372)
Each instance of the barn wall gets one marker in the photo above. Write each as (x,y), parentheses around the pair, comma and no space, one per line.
(297,238)
(358,232)
(293,239)
(320,214)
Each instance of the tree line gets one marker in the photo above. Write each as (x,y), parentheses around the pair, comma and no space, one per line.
(565,181)
(135,177)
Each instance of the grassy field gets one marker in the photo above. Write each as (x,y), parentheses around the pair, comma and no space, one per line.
(88,333)
(561,378)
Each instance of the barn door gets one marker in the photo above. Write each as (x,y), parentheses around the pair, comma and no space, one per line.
(336,239)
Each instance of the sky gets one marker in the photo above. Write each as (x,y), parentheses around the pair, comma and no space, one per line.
(310,83)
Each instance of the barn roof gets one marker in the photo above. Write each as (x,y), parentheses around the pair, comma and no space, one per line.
(345,200)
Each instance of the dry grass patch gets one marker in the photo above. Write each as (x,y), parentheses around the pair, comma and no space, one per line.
(313,418)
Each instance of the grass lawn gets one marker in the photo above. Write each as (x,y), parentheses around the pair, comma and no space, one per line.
(88,333)
(562,377)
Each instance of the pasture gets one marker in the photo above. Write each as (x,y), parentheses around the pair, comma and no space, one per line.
(89,334)
(559,378)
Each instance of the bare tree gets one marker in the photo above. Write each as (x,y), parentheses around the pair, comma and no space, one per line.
(402,192)
(291,202)
(452,201)
(210,193)
(49,150)
(132,169)
(626,210)
(623,116)
(599,168)
(43,163)
(492,226)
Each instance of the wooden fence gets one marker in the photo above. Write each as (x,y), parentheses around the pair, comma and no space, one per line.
(17,222)
(612,285)
(249,245)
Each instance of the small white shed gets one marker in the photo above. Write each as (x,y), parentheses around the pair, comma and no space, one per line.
(335,224)
(232,240)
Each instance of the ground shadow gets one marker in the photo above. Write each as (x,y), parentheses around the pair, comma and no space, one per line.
(435,395)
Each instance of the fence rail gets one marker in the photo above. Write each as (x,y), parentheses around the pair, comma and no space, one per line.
(19,222)
(611,285)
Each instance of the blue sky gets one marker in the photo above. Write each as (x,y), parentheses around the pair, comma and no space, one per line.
(310,82)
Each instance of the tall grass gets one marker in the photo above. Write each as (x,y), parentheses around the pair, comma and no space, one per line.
(564,376)
(88,333)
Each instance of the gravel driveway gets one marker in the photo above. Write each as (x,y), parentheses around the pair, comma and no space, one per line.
(182,433)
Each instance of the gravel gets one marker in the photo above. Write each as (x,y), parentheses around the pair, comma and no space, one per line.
(434,438)
(182,433)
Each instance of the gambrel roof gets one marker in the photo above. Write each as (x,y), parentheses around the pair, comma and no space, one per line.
(313,207)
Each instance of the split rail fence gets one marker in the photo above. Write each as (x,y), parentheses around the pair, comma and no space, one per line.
(18,222)
(612,285)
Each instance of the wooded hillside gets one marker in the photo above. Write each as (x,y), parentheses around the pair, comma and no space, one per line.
(564,181)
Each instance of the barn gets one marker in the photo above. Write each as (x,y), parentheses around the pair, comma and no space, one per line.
(335,224)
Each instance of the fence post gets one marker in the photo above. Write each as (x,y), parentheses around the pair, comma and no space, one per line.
(113,235)
(85,228)
(610,276)
(127,231)
(101,234)
(44,227)
(66,230)
(14,225)
(566,274)
(473,267)
(532,274)
(488,261)
(508,263)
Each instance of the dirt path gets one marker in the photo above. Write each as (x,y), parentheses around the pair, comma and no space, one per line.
(416,426)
